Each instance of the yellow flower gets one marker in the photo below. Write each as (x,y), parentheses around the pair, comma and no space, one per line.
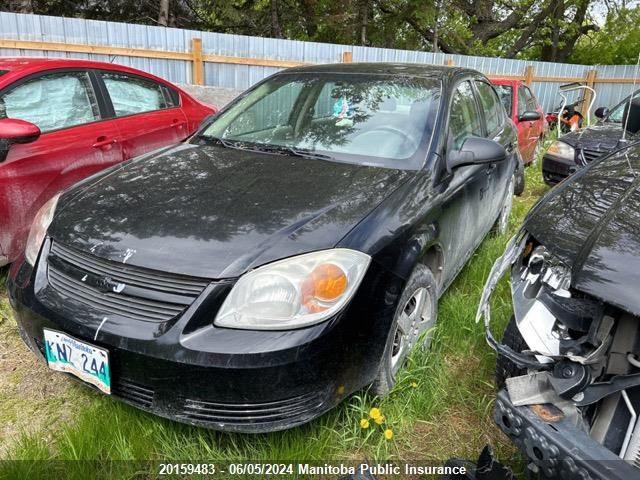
(374,413)
(388,434)
(379,420)
(414,385)
(364,423)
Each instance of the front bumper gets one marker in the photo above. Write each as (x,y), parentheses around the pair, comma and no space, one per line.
(558,448)
(225,379)
(555,169)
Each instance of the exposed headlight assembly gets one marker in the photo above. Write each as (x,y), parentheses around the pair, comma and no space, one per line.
(38,231)
(562,150)
(295,292)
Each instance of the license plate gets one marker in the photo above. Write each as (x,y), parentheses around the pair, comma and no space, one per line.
(85,361)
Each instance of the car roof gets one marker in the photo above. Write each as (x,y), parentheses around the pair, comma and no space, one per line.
(381,68)
(505,81)
(26,65)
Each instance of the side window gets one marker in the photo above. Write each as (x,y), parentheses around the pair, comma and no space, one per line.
(531,101)
(522,100)
(271,112)
(53,101)
(130,94)
(171,96)
(491,105)
(617,113)
(324,105)
(465,117)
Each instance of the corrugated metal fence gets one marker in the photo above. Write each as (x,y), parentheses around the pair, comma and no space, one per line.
(236,61)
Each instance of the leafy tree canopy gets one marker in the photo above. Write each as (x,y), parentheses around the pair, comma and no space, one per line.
(584,31)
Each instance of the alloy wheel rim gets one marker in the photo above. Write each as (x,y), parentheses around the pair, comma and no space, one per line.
(413,320)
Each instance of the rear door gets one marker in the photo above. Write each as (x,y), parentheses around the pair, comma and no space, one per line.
(148,113)
(74,144)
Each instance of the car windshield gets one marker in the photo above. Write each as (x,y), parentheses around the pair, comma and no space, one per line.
(361,119)
(615,116)
(505,92)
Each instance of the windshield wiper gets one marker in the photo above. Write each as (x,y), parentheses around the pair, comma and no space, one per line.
(308,154)
(266,148)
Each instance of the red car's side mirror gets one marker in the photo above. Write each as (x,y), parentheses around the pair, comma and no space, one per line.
(14,130)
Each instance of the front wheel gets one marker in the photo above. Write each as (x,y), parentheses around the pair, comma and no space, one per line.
(505,368)
(413,321)
(537,152)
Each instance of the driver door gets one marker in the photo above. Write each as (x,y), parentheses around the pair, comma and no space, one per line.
(465,188)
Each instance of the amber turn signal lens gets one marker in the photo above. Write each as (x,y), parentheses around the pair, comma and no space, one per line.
(329,282)
(326,283)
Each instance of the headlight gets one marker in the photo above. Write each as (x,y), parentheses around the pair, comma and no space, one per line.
(295,292)
(39,229)
(562,150)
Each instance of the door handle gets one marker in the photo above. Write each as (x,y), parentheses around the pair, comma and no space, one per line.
(178,123)
(102,141)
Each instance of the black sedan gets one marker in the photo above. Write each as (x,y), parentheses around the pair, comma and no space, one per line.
(569,362)
(576,149)
(290,253)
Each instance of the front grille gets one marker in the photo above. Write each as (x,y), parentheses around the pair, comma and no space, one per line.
(250,413)
(134,393)
(146,294)
(590,155)
(135,276)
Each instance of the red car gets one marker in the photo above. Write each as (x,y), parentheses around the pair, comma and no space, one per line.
(525,111)
(62,120)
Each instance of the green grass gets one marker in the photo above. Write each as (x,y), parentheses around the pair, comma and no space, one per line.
(441,406)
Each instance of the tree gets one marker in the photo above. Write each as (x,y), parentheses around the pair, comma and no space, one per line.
(549,30)
(616,43)
(163,13)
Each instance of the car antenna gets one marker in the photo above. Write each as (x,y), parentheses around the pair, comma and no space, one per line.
(623,139)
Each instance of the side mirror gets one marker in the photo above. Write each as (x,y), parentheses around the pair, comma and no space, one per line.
(476,151)
(601,112)
(530,116)
(14,130)
(631,117)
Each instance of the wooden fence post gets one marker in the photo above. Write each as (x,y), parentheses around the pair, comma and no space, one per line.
(197,77)
(590,81)
(347,57)
(528,75)
(450,62)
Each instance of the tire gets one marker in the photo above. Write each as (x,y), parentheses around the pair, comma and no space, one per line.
(519,177)
(537,152)
(501,225)
(505,368)
(419,295)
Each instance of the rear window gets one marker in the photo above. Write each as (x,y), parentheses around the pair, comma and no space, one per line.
(505,92)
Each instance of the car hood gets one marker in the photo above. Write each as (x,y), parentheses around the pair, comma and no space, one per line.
(602,137)
(215,212)
(592,223)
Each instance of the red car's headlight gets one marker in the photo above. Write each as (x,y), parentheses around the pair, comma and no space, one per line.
(38,231)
